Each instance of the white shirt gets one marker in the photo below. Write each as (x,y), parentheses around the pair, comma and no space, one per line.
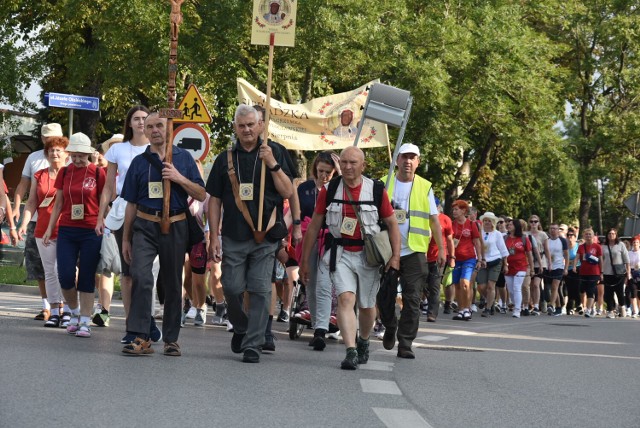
(34,163)
(494,246)
(400,200)
(556,251)
(122,154)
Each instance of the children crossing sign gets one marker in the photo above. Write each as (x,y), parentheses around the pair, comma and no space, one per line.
(193,108)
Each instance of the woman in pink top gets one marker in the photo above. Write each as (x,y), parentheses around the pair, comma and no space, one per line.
(41,198)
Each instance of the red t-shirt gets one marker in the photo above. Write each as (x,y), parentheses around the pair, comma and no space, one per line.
(386,210)
(45,188)
(79,187)
(587,268)
(517,258)
(447,229)
(464,234)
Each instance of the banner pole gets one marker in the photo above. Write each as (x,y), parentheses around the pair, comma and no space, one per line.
(265,136)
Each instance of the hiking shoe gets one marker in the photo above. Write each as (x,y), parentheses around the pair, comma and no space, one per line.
(388,339)
(250,356)
(101,319)
(318,343)
(236,343)
(53,321)
(485,313)
(269,343)
(283,316)
(350,362)
(550,310)
(406,353)
(138,346)
(83,330)
(172,349)
(525,312)
(43,315)
(72,327)
(446,310)
(201,316)
(363,350)
(559,312)
(155,334)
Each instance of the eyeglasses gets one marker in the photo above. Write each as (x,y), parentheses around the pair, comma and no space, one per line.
(534,221)
(501,222)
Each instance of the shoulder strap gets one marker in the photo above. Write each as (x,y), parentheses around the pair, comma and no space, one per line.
(610,256)
(152,161)
(378,187)
(233,178)
(331,189)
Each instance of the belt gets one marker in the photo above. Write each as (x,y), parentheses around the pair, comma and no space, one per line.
(158,218)
(158,212)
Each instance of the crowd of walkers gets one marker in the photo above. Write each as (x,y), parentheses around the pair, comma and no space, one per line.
(488,264)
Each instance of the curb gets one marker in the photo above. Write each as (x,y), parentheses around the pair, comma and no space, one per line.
(22,289)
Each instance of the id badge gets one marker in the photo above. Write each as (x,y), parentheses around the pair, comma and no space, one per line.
(455,242)
(348,226)
(512,251)
(155,190)
(46,202)
(77,212)
(246,191)
(401,216)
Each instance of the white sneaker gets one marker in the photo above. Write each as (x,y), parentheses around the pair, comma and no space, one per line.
(610,315)
(474,308)
(216,320)
(380,333)
(629,313)
(598,312)
(229,325)
(201,317)
(564,310)
(334,336)
(192,312)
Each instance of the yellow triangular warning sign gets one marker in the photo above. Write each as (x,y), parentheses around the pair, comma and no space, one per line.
(193,107)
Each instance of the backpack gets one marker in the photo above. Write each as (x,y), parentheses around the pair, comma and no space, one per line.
(378,187)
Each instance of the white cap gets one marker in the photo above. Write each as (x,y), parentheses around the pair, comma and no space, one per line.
(409,148)
(80,143)
(51,130)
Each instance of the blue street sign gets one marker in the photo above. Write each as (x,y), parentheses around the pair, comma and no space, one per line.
(79,102)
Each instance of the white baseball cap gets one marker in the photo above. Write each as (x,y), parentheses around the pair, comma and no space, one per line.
(409,148)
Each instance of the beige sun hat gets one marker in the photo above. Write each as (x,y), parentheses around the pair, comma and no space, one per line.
(491,216)
(51,130)
(80,143)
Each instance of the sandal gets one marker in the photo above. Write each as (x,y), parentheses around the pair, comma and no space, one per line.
(53,321)
(83,331)
(138,346)
(459,316)
(72,326)
(43,315)
(172,349)
(64,321)
(466,315)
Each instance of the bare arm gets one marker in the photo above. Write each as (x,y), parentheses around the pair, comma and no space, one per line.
(310,237)
(18,195)
(107,195)
(55,214)
(29,209)
(294,205)
(396,241)
(281,181)
(436,232)
(129,217)
(214,214)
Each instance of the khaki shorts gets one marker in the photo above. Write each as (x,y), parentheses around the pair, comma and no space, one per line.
(353,275)
(489,274)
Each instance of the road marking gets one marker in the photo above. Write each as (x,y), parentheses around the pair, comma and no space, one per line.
(378,365)
(522,351)
(375,386)
(393,418)
(516,337)
(432,338)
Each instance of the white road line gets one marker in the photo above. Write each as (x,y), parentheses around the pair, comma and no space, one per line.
(516,337)
(432,338)
(378,365)
(400,418)
(375,386)
(522,351)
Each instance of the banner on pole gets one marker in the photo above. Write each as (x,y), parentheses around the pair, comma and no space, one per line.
(274,16)
(326,123)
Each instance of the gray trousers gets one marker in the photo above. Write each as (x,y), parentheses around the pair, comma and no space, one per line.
(247,266)
(319,291)
(148,242)
(413,274)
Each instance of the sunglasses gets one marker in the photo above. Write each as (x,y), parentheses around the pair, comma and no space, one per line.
(534,221)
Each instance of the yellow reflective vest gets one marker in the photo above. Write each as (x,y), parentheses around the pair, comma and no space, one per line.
(418,215)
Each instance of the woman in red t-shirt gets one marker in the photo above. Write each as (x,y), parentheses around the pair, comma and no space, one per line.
(468,254)
(41,200)
(590,256)
(519,263)
(78,188)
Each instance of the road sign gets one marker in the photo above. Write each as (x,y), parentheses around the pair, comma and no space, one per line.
(192,138)
(172,113)
(631,227)
(193,107)
(71,101)
(633,203)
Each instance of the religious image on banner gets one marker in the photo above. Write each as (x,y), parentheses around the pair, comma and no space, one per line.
(274,16)
(326,123)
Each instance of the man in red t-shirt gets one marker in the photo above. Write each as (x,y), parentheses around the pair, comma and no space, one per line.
(435,273)
(351,275)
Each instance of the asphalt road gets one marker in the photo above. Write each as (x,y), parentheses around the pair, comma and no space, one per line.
(500,372)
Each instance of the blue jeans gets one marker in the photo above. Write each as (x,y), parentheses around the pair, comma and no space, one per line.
(78,246)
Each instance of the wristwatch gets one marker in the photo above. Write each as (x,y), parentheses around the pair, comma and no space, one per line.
(275,168)
(296,222)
